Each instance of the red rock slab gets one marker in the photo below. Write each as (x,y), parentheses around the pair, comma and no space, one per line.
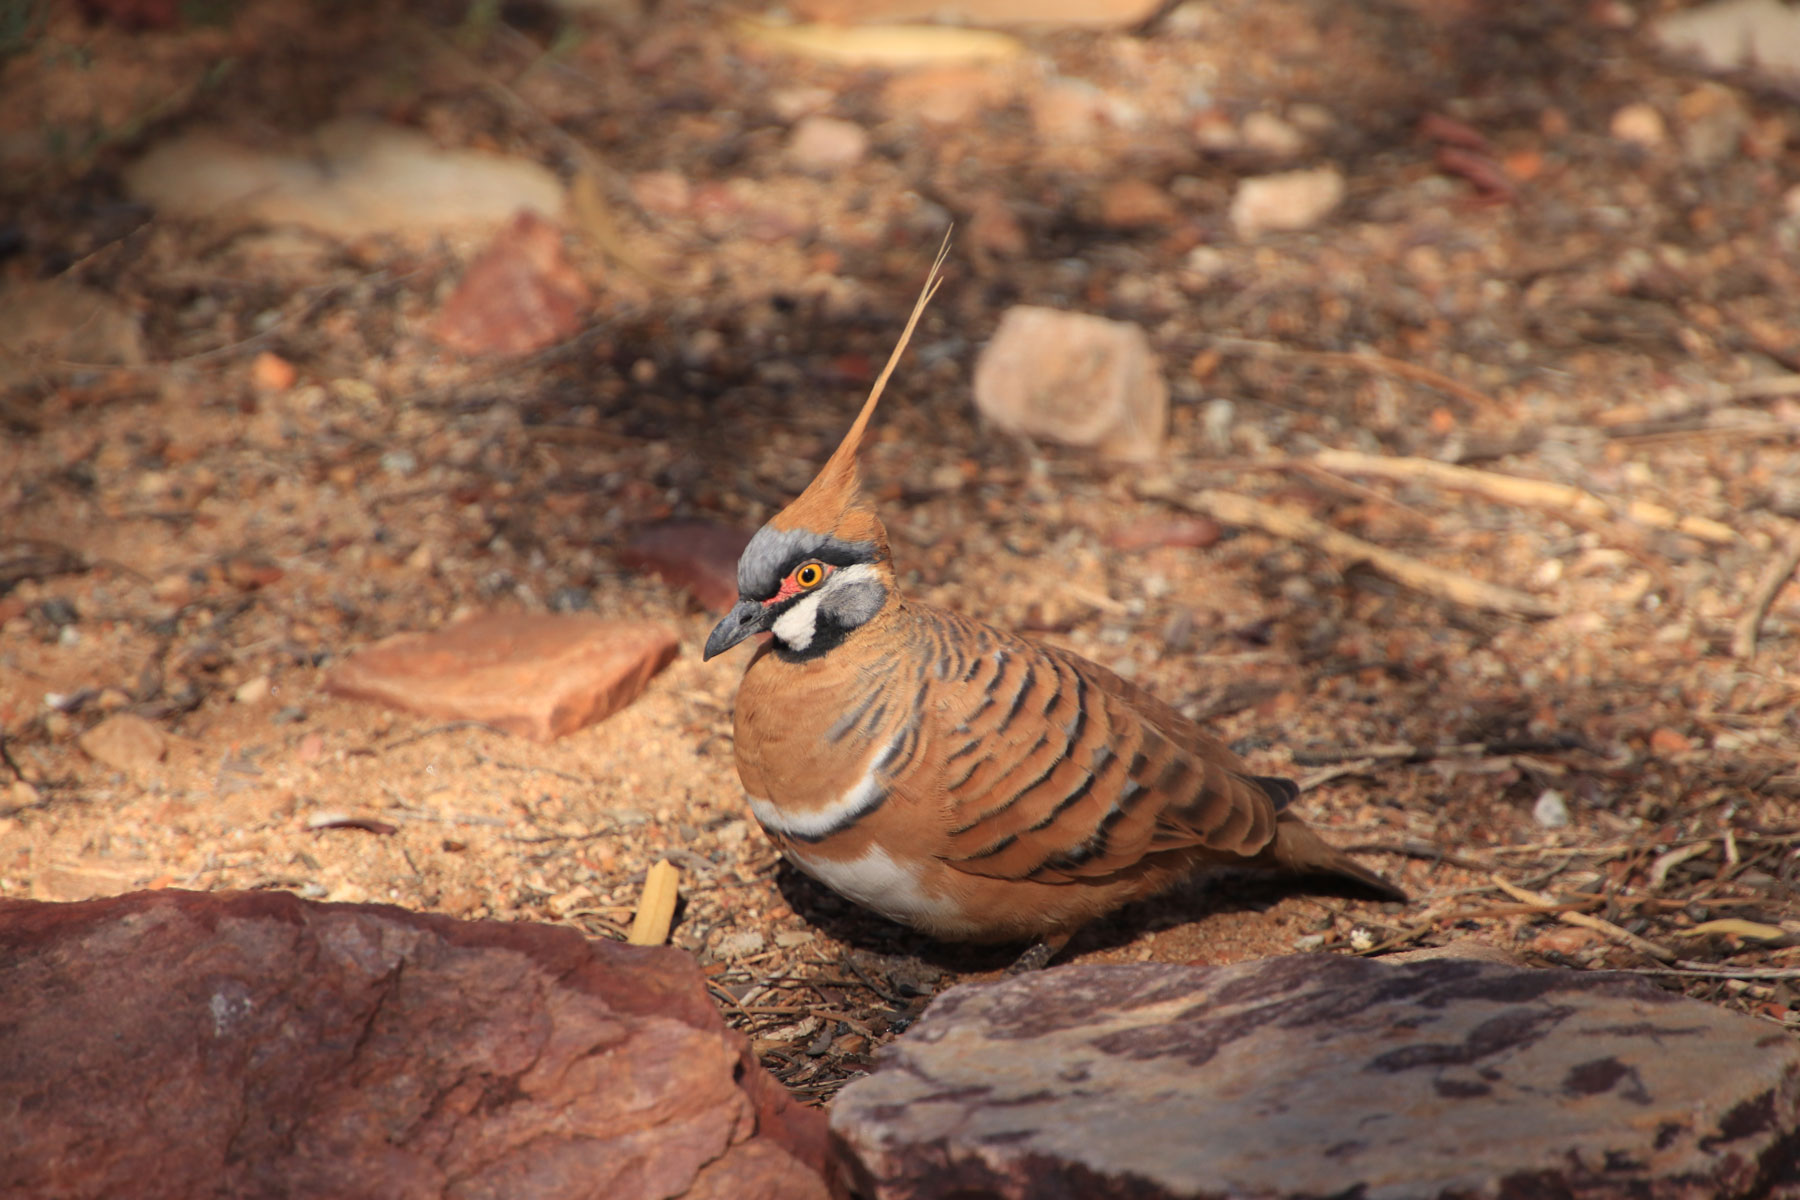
(700,556)
(184,1044)
(540,675)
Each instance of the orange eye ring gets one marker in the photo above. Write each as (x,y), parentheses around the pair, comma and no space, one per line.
(810,575)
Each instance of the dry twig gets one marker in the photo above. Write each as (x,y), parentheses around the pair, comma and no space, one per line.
(1512,489)
(656,907)
(1545,904)
(1295,526)
(1368,360)
(1780,569)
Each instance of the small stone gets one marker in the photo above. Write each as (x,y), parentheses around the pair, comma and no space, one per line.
(995,228)
(1074,378)
(124,742)
(1216,421)
(700,556)
(252,691)
(1292,200)
(1551,811)
(741,944)
(1640,124)
(1713,124)
(520,294)
(1668,742)
(1266,133)
(539,675)
(789,939)
(1307,943)
(269,372)
(1135,204)
(1760,36)
(22,794)
(827,144)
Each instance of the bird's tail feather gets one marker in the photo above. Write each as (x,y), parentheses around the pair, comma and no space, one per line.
(1298,848)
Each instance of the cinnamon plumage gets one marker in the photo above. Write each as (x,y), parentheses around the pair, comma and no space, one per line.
(973,783)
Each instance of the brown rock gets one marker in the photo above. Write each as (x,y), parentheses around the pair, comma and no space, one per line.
(994,228)
(178,1044)
(269,372)
(1074,378)
(124,742)
(826,144)
(1289,201)
(946,95)
(539,675)
(1314,1075)
(700,556)
(520,294)
(1135,204)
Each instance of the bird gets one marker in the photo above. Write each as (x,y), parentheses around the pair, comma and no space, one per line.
(975,784)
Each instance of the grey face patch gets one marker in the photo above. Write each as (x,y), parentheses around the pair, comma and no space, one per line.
(772,553)
(855,595)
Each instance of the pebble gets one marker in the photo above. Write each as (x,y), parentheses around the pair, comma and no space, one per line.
(741,944)
(825,144)
(269,372)
(1289,201)
(124,742)
(1551,811)
(1135,204)
(1268,134)
(252,691)
(1639,124)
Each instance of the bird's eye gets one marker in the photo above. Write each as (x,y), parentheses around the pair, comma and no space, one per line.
(810,575)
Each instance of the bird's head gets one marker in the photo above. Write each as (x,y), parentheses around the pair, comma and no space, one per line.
(819,569)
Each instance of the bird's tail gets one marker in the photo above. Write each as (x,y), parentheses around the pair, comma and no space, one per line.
(1298,848)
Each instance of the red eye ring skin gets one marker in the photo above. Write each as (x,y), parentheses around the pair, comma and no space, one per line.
(791,586)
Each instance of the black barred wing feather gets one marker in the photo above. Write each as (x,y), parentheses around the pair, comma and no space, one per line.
(1052,768)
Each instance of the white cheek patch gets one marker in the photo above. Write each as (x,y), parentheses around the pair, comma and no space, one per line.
(795,627)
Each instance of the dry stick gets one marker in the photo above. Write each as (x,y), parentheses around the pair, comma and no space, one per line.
(1762,597)
(1378,364)
(1546,904)
(1512,489)
(656,906)
(1295,526)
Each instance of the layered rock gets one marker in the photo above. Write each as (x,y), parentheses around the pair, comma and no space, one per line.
(1323,1076)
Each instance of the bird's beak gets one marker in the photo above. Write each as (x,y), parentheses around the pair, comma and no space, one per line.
(746,619)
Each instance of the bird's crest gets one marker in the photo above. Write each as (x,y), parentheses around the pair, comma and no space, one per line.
(834,502)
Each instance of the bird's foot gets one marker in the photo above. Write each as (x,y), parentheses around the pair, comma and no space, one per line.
(1038,956)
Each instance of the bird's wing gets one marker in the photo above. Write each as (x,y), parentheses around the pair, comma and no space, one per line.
(1052,768)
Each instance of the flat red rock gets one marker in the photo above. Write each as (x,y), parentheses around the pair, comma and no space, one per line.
(539,675)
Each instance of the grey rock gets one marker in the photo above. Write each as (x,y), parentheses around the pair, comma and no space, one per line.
(1321,1076)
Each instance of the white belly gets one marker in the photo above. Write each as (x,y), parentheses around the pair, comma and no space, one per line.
(876,881)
